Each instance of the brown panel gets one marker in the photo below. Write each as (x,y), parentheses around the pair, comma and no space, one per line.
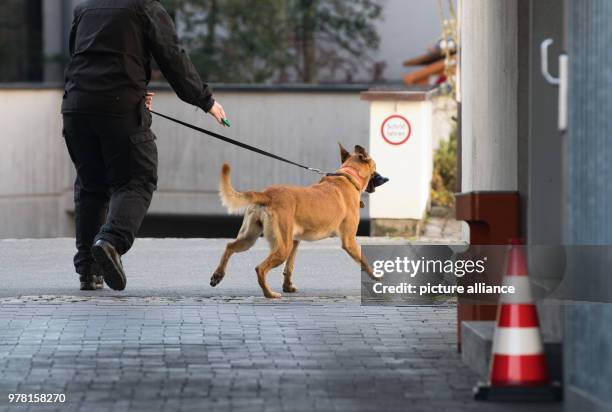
(493,218)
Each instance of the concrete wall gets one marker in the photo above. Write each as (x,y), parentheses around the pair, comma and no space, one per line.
(32,165)
(305,128)
(301,124)
(489,81)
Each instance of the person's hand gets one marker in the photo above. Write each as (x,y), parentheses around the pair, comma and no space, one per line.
(149,100)
(217,112)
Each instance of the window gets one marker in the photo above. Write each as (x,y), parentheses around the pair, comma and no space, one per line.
(21,49)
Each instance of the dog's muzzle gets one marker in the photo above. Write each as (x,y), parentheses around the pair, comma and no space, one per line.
(375,181)
(378,180)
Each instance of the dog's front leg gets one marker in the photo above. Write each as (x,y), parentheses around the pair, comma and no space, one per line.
(349,243)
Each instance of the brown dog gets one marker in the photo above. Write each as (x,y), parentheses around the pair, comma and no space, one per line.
(288,214)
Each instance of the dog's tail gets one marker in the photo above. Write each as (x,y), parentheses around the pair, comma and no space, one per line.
(235,201)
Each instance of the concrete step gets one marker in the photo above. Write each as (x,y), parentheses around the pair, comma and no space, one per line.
(477,339)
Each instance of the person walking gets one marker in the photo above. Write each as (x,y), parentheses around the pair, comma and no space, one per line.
(106,124)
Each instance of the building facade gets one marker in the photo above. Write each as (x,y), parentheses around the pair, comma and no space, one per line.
(511,142)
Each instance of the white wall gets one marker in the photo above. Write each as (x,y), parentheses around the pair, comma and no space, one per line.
(32,164)
(305,126)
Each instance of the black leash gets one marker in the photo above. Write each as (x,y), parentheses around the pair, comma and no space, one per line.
(237,143)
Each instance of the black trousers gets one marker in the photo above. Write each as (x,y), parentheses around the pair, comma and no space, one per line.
(116,165)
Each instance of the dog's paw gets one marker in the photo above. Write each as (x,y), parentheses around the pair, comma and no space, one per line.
(289,288)
(216,278)
(272,295)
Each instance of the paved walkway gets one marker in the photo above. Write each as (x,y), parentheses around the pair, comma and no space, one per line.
(441,227)
(178,268)
(208,351)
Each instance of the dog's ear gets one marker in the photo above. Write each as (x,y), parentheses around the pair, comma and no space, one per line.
(361,150)
(362,153)
(344,154)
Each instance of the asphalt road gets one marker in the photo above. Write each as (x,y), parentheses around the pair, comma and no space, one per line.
(177,268)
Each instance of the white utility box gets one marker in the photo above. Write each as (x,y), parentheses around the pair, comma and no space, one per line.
(401,144)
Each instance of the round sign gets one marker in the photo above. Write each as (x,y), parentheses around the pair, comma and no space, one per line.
(396,129)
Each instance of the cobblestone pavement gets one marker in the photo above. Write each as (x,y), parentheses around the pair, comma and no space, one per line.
(207,354)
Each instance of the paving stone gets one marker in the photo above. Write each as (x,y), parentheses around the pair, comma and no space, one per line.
(310,355)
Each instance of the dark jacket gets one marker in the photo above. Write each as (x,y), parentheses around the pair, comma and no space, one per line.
(111,45)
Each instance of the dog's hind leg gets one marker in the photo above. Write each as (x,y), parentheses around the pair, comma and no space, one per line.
(247,236)
(288,271)
(276,258)
(279,234)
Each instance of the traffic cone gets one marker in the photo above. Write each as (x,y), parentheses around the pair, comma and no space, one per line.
(518,369)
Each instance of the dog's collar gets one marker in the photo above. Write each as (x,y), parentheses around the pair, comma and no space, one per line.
(352,176)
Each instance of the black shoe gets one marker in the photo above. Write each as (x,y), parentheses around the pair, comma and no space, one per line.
(91,282)
(110,264)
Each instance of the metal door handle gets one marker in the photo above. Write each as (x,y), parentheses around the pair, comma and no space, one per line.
(560,81)
(544,62)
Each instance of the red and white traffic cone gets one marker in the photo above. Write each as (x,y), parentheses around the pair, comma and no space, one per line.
(518,364)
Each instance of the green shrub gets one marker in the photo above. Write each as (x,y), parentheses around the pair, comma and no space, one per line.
(444,180)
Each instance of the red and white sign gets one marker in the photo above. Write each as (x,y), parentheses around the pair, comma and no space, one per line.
(396,129)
